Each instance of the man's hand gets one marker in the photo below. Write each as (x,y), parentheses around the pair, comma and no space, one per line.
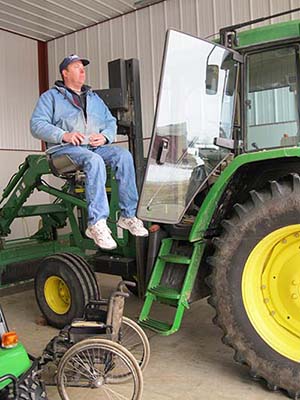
(97,139)
(74,138)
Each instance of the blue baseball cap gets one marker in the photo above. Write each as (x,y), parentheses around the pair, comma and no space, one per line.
(71,58)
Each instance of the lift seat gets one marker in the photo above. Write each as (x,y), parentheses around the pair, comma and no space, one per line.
(63,166)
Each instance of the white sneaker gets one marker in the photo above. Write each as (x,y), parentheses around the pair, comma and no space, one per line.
(133,225)
(101,234)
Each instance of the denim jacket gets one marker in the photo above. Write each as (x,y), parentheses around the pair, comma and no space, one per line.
(56,113)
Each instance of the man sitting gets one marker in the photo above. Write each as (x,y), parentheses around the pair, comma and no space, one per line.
(73,120)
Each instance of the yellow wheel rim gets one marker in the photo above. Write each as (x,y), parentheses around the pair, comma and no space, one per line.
(271,290)
(57,295)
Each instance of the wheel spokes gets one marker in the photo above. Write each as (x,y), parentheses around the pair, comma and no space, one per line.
(108,390)
(92,374)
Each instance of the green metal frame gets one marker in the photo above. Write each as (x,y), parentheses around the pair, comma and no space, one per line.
(13,361)
(156,291)
(209,204)
(54,215)
(165,295)
(265,34)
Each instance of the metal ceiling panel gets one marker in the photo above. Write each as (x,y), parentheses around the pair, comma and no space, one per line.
(49,19)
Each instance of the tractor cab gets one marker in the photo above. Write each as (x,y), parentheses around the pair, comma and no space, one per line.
(269,83)
(216,102)
(272,98)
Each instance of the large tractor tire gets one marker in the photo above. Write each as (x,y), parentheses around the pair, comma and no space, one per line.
(256,284)
(64,284)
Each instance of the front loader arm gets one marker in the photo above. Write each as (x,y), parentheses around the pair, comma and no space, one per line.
(19,189)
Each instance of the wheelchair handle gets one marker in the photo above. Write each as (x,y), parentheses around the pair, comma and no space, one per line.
(119,293)
(125,283)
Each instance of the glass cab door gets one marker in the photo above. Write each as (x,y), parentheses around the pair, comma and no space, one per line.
(195,104)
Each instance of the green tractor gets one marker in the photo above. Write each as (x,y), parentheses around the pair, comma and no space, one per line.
(221,192)
(19,375)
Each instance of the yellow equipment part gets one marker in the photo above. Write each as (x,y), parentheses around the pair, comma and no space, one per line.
(57,295)
(271,290)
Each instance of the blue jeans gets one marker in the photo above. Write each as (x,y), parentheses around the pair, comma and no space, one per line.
(92,160)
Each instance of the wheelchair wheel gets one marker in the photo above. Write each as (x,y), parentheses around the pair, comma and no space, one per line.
(134,339)
(90,369)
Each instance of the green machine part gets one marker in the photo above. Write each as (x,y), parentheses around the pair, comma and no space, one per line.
(250,201)
(208,206)
(180,298)
(264,34)
(14,361)
(53,216)
(69,205)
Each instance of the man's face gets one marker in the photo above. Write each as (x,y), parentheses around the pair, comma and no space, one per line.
(74,74)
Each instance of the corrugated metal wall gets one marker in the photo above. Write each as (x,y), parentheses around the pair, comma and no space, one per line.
(141,35)
(19,91)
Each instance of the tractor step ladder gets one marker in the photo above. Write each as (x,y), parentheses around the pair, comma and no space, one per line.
(156,292)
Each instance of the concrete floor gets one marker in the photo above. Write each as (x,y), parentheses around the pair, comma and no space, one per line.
(192,364)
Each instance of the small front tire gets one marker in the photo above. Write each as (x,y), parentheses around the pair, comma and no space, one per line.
(61,290)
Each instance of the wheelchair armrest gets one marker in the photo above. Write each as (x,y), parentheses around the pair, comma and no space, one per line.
(102,302)
(122,284)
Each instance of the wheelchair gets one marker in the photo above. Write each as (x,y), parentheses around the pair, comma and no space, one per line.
(100,356)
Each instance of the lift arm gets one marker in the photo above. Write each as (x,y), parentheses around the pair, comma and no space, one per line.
(20,188)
